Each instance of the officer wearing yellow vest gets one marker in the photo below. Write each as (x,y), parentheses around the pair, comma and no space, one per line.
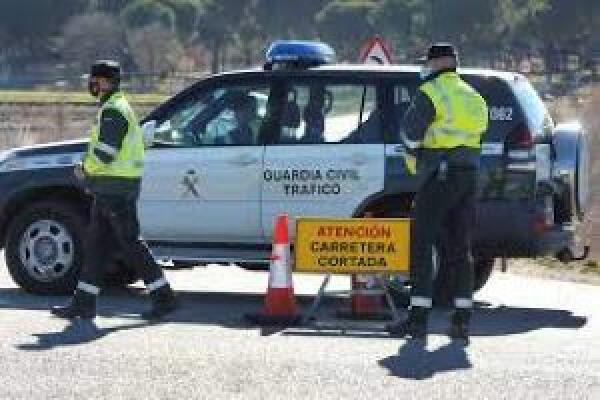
(442,132)
(111,171)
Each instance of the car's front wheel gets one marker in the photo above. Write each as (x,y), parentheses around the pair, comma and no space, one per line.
(44,246)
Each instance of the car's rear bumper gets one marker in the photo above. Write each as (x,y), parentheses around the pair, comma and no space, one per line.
(513,229)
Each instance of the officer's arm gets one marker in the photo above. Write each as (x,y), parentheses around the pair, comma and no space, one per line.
(417,119)
(113,128)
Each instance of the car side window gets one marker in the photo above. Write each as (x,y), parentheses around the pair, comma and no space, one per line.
(504,111)
(319,113)
(225,116)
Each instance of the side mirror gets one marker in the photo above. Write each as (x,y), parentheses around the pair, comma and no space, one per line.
(148,130)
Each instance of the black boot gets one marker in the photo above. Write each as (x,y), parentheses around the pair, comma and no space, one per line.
(82,305)
(460,325)
(414,326)
(163,303)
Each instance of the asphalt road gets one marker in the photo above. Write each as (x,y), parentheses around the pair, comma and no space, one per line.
(532,339)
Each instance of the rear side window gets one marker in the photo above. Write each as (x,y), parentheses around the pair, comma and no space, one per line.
(505,113)
(316,112)
(537,114)
(504,110)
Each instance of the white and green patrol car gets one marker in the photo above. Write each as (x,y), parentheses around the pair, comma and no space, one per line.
(315,139)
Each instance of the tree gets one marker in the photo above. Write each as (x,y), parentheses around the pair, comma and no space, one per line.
(186,13)
(154,49)
(27,26)
(346,24)
(215,27)
(89,37)
(141,13)
(403,23)
(566,27)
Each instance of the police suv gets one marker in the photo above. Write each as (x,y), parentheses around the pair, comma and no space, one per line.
(302,136)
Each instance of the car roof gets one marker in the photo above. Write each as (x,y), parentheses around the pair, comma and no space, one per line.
(380,69)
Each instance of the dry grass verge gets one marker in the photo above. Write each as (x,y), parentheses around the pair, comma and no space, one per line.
(582,272)
(50,97)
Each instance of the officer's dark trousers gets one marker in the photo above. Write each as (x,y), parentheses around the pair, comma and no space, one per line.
(115,216)
(444,207)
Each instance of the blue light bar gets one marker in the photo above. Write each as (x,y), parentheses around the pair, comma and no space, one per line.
(300,52)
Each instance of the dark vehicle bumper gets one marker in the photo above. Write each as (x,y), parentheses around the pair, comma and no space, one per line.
(514,229)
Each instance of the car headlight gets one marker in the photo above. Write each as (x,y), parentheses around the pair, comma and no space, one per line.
(9,161)
(6,155)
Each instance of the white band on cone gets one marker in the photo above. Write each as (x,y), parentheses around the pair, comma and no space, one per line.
(280,274)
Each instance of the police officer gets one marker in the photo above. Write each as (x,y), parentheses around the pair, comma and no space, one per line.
(246,119)
(111,171)
(442,131)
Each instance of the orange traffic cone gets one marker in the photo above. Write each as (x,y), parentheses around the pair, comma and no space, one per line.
(280,304)
(364,305)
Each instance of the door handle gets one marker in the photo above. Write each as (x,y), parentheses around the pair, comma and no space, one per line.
(244,160)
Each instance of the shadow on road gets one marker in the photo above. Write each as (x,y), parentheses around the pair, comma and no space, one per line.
(415,361)
(228,310)
(489,321)
(77,332)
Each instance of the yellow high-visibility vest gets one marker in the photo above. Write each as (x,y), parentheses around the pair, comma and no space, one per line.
(128,161)
(461,114)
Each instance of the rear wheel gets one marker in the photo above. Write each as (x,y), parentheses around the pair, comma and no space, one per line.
(444,278)
(445,281)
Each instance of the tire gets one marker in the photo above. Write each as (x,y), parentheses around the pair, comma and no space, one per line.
(400,292)
(582,177)
(444,281)
(442,288)
(572,166)
(44,247)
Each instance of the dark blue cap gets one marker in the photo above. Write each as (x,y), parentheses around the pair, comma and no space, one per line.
(106,68)
(439,50)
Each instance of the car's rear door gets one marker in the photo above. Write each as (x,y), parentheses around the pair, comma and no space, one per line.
(507,149)
(328,155)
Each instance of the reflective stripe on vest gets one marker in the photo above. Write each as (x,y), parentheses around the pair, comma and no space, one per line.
(128,161)
(461,114)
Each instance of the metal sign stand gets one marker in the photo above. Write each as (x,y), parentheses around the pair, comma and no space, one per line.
(310,315)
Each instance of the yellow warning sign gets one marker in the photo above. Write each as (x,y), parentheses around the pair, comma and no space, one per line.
(352,246)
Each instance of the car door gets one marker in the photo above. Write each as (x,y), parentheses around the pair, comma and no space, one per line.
(329,154)
(203,175)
